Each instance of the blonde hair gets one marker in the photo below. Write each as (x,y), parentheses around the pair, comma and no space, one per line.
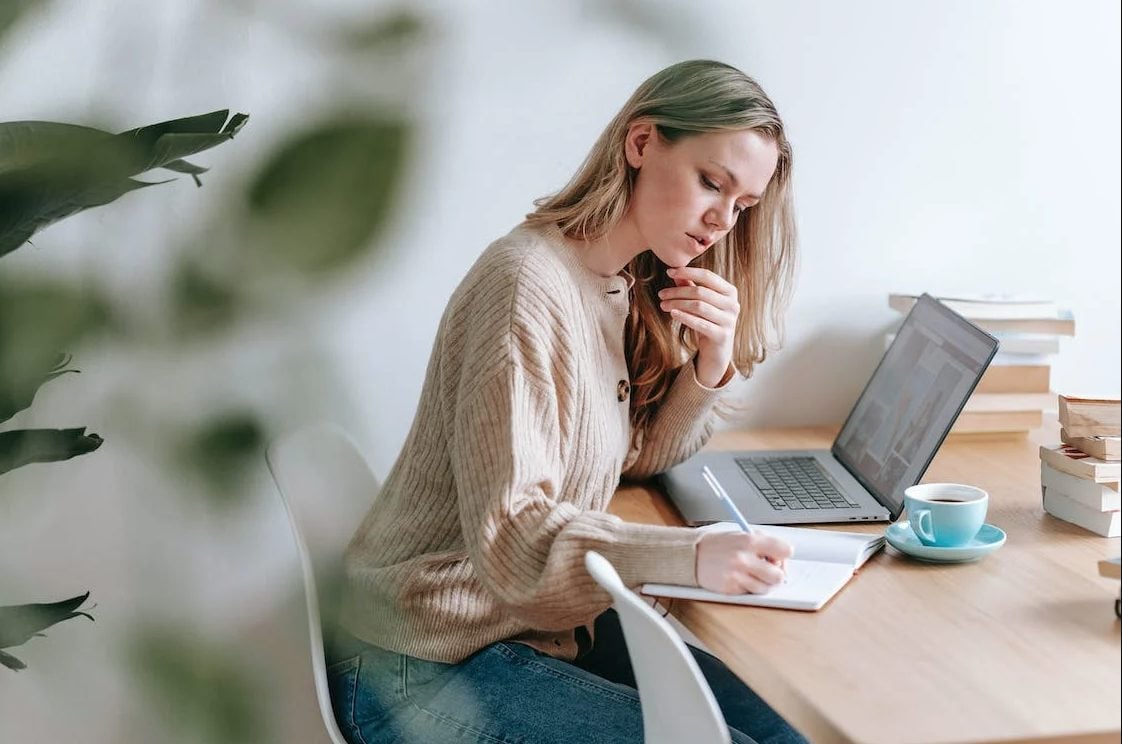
(757,256)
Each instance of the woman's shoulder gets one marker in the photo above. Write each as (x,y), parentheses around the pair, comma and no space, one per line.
(527,251)
(530,259)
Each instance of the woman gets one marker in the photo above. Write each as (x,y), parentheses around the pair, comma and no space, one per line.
(590,343)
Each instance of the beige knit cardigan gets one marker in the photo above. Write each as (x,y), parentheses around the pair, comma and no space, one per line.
(519,441)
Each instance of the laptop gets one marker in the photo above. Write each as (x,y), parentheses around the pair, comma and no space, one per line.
(888,440)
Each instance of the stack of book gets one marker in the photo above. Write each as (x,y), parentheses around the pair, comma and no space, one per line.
(1014,392)
(1079,478)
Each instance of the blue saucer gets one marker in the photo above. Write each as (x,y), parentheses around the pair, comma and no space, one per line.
(900,536)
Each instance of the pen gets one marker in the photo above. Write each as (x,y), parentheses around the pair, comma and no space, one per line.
(723,497)
(719,492)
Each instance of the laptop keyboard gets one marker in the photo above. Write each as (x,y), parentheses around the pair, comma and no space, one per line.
(794,483)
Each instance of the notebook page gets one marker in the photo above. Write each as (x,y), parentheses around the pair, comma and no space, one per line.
(809,585)
(833,546)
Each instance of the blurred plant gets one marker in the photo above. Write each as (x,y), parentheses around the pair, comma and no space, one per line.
(11,10)
(311,212)
(19,624)
(220,448)
(316,205)
(49,171)
(204,693)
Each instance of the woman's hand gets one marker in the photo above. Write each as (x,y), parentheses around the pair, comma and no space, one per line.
(708,304)
(741,563)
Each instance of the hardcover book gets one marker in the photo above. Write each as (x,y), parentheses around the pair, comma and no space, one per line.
(1107,524)
(986,307)
(1100,496)
(1104,448)
(1073,462)
(1091,417)
(1015,378)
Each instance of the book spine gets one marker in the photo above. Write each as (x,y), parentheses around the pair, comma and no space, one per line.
(1010,359)
(996,422)
(1058,326)
(1070,460)
(1104,448)
(1015,378)
(1009,402)
(1082,419)
(1100,497)
(1027,343)
(1107,524)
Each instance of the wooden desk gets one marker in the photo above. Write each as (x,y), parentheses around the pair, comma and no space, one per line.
(1022,645)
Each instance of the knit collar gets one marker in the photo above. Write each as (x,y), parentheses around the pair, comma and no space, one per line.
(615,290)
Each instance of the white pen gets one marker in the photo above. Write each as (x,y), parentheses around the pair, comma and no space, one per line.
(716,488)
(723,497)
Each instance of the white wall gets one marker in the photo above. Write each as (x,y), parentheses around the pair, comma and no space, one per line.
(950,145)
(942,146)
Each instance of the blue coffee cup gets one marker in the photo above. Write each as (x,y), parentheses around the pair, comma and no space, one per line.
(946,515)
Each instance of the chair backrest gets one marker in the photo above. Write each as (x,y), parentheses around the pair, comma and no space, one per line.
(676,700)
(326,486)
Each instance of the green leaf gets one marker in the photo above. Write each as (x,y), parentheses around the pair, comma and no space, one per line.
(202,301)
(21,623)
(322,198)
(10,12)
(50,170)
(37,318)
(202,689)
(223,450)
(16,395)
(173,140)
(25,446)
(403,26)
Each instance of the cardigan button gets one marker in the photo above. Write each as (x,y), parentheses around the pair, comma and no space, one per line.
(623,388)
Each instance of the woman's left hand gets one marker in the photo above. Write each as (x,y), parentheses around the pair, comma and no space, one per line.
(708,304)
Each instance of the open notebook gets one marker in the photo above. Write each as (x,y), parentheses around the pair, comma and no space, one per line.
(824,561)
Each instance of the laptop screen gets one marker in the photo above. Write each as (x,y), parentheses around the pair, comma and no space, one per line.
(912,400)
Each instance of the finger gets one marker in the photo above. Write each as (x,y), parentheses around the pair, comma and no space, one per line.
(750,584)
(702,310)
(754,584)
(772,547)
(761,569)
(701,276)
(706,328)
(704,294)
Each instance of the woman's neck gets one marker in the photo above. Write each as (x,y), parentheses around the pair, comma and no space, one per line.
(611,253)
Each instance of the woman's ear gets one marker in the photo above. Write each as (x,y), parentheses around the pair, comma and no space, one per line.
(639,136)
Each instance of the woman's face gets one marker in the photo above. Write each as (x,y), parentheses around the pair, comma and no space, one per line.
(689,194)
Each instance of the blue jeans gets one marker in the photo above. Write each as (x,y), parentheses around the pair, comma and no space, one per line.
(508,692)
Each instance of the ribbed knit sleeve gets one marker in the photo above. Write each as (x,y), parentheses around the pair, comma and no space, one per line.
(681,427)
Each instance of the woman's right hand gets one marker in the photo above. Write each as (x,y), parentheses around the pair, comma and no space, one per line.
(741,563)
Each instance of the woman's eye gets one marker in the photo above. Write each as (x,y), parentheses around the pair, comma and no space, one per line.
(709,184)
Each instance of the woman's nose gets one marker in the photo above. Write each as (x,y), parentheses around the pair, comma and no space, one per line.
(722,219)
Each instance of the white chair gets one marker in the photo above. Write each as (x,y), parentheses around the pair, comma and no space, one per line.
(677,704)
(326,487)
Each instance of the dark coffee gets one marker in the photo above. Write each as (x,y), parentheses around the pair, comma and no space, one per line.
(947,501)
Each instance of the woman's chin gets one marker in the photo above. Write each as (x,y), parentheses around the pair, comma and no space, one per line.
(674,259)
